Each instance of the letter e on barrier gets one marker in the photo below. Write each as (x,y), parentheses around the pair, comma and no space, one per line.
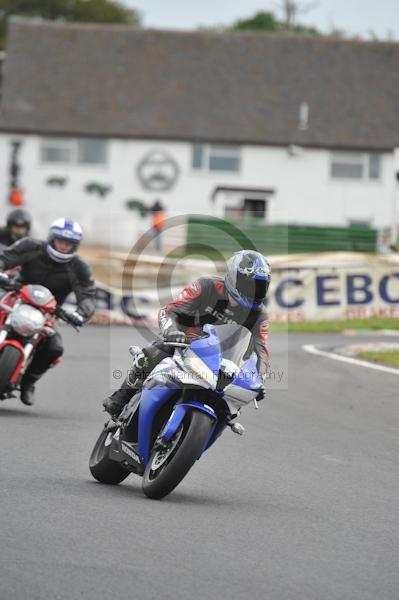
(322,290)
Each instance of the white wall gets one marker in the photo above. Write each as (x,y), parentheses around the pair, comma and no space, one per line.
(304,192)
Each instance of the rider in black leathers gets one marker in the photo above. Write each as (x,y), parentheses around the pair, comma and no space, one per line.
(207,300)
(62,273)
(18,226)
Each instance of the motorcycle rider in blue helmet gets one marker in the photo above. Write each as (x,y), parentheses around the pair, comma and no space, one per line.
(54,264)
(238,298)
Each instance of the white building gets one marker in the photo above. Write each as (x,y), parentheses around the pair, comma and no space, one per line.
(286,128)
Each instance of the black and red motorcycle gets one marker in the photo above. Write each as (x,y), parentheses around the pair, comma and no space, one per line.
(27,316)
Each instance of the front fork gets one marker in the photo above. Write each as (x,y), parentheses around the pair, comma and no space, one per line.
(26,352)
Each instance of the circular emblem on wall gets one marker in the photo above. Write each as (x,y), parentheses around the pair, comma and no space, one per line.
(158,171)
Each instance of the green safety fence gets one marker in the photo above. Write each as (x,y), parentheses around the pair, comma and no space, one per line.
(228,235)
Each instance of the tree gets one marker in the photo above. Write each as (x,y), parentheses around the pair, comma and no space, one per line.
(262,21)
(292,9)
(104,11)
(267,21)
(92,11)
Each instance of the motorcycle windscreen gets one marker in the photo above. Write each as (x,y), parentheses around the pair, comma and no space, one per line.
(237,347)
(232,341)
(226,348)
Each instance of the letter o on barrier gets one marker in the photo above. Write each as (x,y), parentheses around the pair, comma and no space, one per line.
(383,287)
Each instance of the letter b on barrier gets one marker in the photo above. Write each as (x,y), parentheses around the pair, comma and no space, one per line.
(357,289)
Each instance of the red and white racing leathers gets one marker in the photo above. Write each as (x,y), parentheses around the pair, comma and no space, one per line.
(206,301)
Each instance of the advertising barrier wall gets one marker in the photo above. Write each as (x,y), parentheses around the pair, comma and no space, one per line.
(331,287)
(327,294)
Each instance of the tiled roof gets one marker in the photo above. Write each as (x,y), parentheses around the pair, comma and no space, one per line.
(234,87)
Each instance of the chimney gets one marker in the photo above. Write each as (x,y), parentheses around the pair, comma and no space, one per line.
(303,116)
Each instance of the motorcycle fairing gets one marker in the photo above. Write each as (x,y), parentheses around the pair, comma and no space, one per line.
(208,350)
(153,397)
(244,386)
(125,452)
(7,302)
(178,414)
(248,376)
(164,381)
(38,296)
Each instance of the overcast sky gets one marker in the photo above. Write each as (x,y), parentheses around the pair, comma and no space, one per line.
(353,16)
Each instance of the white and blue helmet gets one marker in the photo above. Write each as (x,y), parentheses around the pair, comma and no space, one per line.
(248,278)
(67,230)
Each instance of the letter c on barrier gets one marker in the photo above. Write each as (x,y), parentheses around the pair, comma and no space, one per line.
(384,288)
(104,299)
(280,290)
(129,308)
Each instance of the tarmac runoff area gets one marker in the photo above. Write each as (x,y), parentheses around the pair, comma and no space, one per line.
(304,506)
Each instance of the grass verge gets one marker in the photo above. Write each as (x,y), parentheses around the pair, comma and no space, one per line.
(390,358)
(373,324)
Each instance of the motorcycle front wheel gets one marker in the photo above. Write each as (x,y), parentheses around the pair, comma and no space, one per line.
(9,358)
(168,466)
(101,466)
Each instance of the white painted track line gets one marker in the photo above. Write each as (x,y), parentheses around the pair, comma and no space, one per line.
(352,361)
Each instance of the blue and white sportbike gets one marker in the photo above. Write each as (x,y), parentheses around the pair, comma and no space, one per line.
(182,408)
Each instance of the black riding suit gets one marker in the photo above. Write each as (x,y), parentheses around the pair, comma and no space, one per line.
(61,279)
(6,239)
(204,301)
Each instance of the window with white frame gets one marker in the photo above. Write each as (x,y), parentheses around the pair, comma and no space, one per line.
(84,151)
(355,165)
(216,157)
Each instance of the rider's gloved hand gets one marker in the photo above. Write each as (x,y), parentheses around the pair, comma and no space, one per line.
(4,278)
(76,319)
(175,336)
(262,392)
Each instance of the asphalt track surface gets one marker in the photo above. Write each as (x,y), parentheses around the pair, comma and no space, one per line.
(303,506)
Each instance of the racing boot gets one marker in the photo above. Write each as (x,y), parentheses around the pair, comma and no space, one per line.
(114,403)
(28,388)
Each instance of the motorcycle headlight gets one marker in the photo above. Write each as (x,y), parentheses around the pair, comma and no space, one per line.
(26,320)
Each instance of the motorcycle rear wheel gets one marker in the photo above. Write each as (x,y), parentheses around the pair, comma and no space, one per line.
(101,466)
(9,358)
(165,471)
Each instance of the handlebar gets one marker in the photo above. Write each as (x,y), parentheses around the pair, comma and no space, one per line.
(11,286)
(193,338)
(64,316)
(176,344)
(60,313)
